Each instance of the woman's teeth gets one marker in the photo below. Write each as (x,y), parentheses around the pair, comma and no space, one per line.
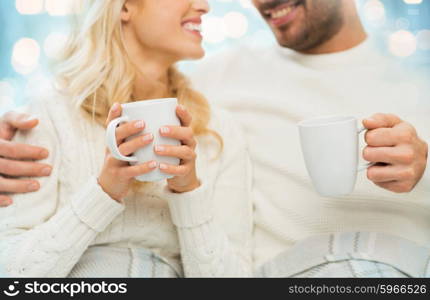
(193,27)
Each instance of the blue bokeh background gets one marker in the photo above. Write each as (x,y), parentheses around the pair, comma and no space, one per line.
(394,16)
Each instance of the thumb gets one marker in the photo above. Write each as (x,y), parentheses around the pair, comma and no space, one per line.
(12,121)
(20,121)
(114,112)
(184,116)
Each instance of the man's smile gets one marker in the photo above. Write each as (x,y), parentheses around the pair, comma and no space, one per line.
(280,13)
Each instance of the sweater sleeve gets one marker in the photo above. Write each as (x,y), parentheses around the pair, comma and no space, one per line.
(38,236)
(214,222)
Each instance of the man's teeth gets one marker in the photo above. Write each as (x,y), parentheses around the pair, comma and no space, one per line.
(193,27)
(281,12)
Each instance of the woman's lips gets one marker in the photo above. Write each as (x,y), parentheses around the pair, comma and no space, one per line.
(193,26)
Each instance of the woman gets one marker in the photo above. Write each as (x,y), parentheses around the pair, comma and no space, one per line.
(90,218)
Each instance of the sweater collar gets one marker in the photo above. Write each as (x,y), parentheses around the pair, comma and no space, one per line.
(354,56)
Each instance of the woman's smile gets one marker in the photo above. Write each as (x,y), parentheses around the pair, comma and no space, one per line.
(193,26)
(164,28)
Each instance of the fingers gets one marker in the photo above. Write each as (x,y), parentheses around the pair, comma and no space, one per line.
(381,137)
(6,131)
(396,186)
(381,174)
(134,171)
(18,186)
(20,121)
(115,112)
(180,170)
(184,116)
(124,130)
(5,201)
(403,133)
(184,153)
(183,134)
(381,121)
(22,151)
(24,168)
(135,144)
(13,121)
(402,177)
(391,155)
(128,129)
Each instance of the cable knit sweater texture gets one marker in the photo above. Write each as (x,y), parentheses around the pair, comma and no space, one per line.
(269,90)
(202,233)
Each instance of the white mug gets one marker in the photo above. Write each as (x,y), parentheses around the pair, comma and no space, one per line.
(330,150)
(156,113)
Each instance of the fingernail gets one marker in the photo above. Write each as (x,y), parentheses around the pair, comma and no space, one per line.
(29,118)
(44,153)
(181,107)
(159,148)
(165,130)
(148,137)
(153,164)
(46,171)
(33,187)
(163,166)
(140,124)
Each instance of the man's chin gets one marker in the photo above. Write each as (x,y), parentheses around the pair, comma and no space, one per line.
(285,39)
(284,33)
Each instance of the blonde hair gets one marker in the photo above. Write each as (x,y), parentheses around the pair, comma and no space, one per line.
(95,70)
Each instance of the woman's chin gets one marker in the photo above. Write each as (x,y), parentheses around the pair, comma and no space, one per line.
(200,55)
(195,55)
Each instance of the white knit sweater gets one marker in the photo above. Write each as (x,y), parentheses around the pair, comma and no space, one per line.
(269,90)
(202,233)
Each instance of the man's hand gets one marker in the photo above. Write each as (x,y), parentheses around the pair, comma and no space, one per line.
(17,160)
(401,156)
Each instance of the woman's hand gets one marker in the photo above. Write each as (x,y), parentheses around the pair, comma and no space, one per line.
(117,176)
(185,179)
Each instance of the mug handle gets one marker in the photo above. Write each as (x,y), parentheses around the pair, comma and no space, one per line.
(111,140)
(368,165)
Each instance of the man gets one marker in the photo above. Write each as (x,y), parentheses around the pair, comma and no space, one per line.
(325,66)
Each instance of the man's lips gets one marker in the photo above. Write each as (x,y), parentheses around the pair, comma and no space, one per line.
(280,13)
(267,6)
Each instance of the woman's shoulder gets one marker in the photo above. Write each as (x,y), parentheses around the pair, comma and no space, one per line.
(59,119)
(45,103)
(55,106)
(40,106)
(55,101)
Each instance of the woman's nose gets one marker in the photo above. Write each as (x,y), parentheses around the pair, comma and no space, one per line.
(201,6)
